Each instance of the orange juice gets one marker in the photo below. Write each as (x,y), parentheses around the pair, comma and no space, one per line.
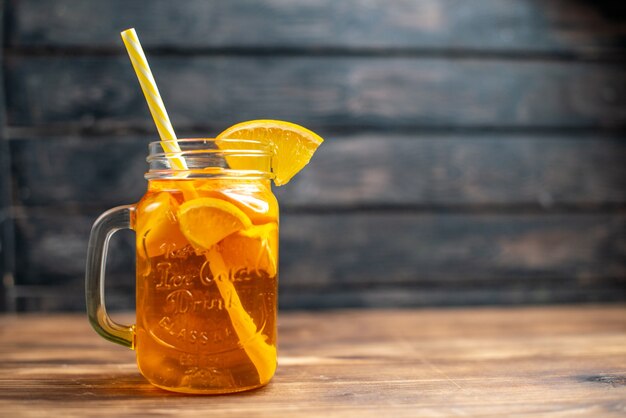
(185,336)
(207,257)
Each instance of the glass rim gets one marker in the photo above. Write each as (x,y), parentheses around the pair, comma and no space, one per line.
(225,174)
(208,140)
(160,156)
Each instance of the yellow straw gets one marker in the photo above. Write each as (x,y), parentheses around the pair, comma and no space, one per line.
(155,103)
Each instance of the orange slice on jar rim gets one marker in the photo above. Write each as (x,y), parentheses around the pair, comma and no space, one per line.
(292,146)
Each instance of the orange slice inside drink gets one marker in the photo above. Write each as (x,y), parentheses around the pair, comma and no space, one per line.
(252,248)
(158,229)
(205,222)
(257,202)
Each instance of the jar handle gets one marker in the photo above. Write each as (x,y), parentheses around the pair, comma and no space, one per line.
(103,228)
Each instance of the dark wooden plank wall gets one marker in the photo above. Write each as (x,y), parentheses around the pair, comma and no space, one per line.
(475,149)
(6,239)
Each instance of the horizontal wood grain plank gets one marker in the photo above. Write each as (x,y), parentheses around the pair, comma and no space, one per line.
(74,170)
(318,92)
(463,171)
(380,249)
(54,245)
(556,361)
(529,257)
(375,170)
(508,25)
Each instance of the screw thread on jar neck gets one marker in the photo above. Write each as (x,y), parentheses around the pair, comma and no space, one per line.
(211,158)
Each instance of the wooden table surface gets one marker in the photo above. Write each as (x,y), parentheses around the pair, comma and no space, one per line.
(548,361)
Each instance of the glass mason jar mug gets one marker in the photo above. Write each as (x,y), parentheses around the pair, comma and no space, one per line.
(207,257)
